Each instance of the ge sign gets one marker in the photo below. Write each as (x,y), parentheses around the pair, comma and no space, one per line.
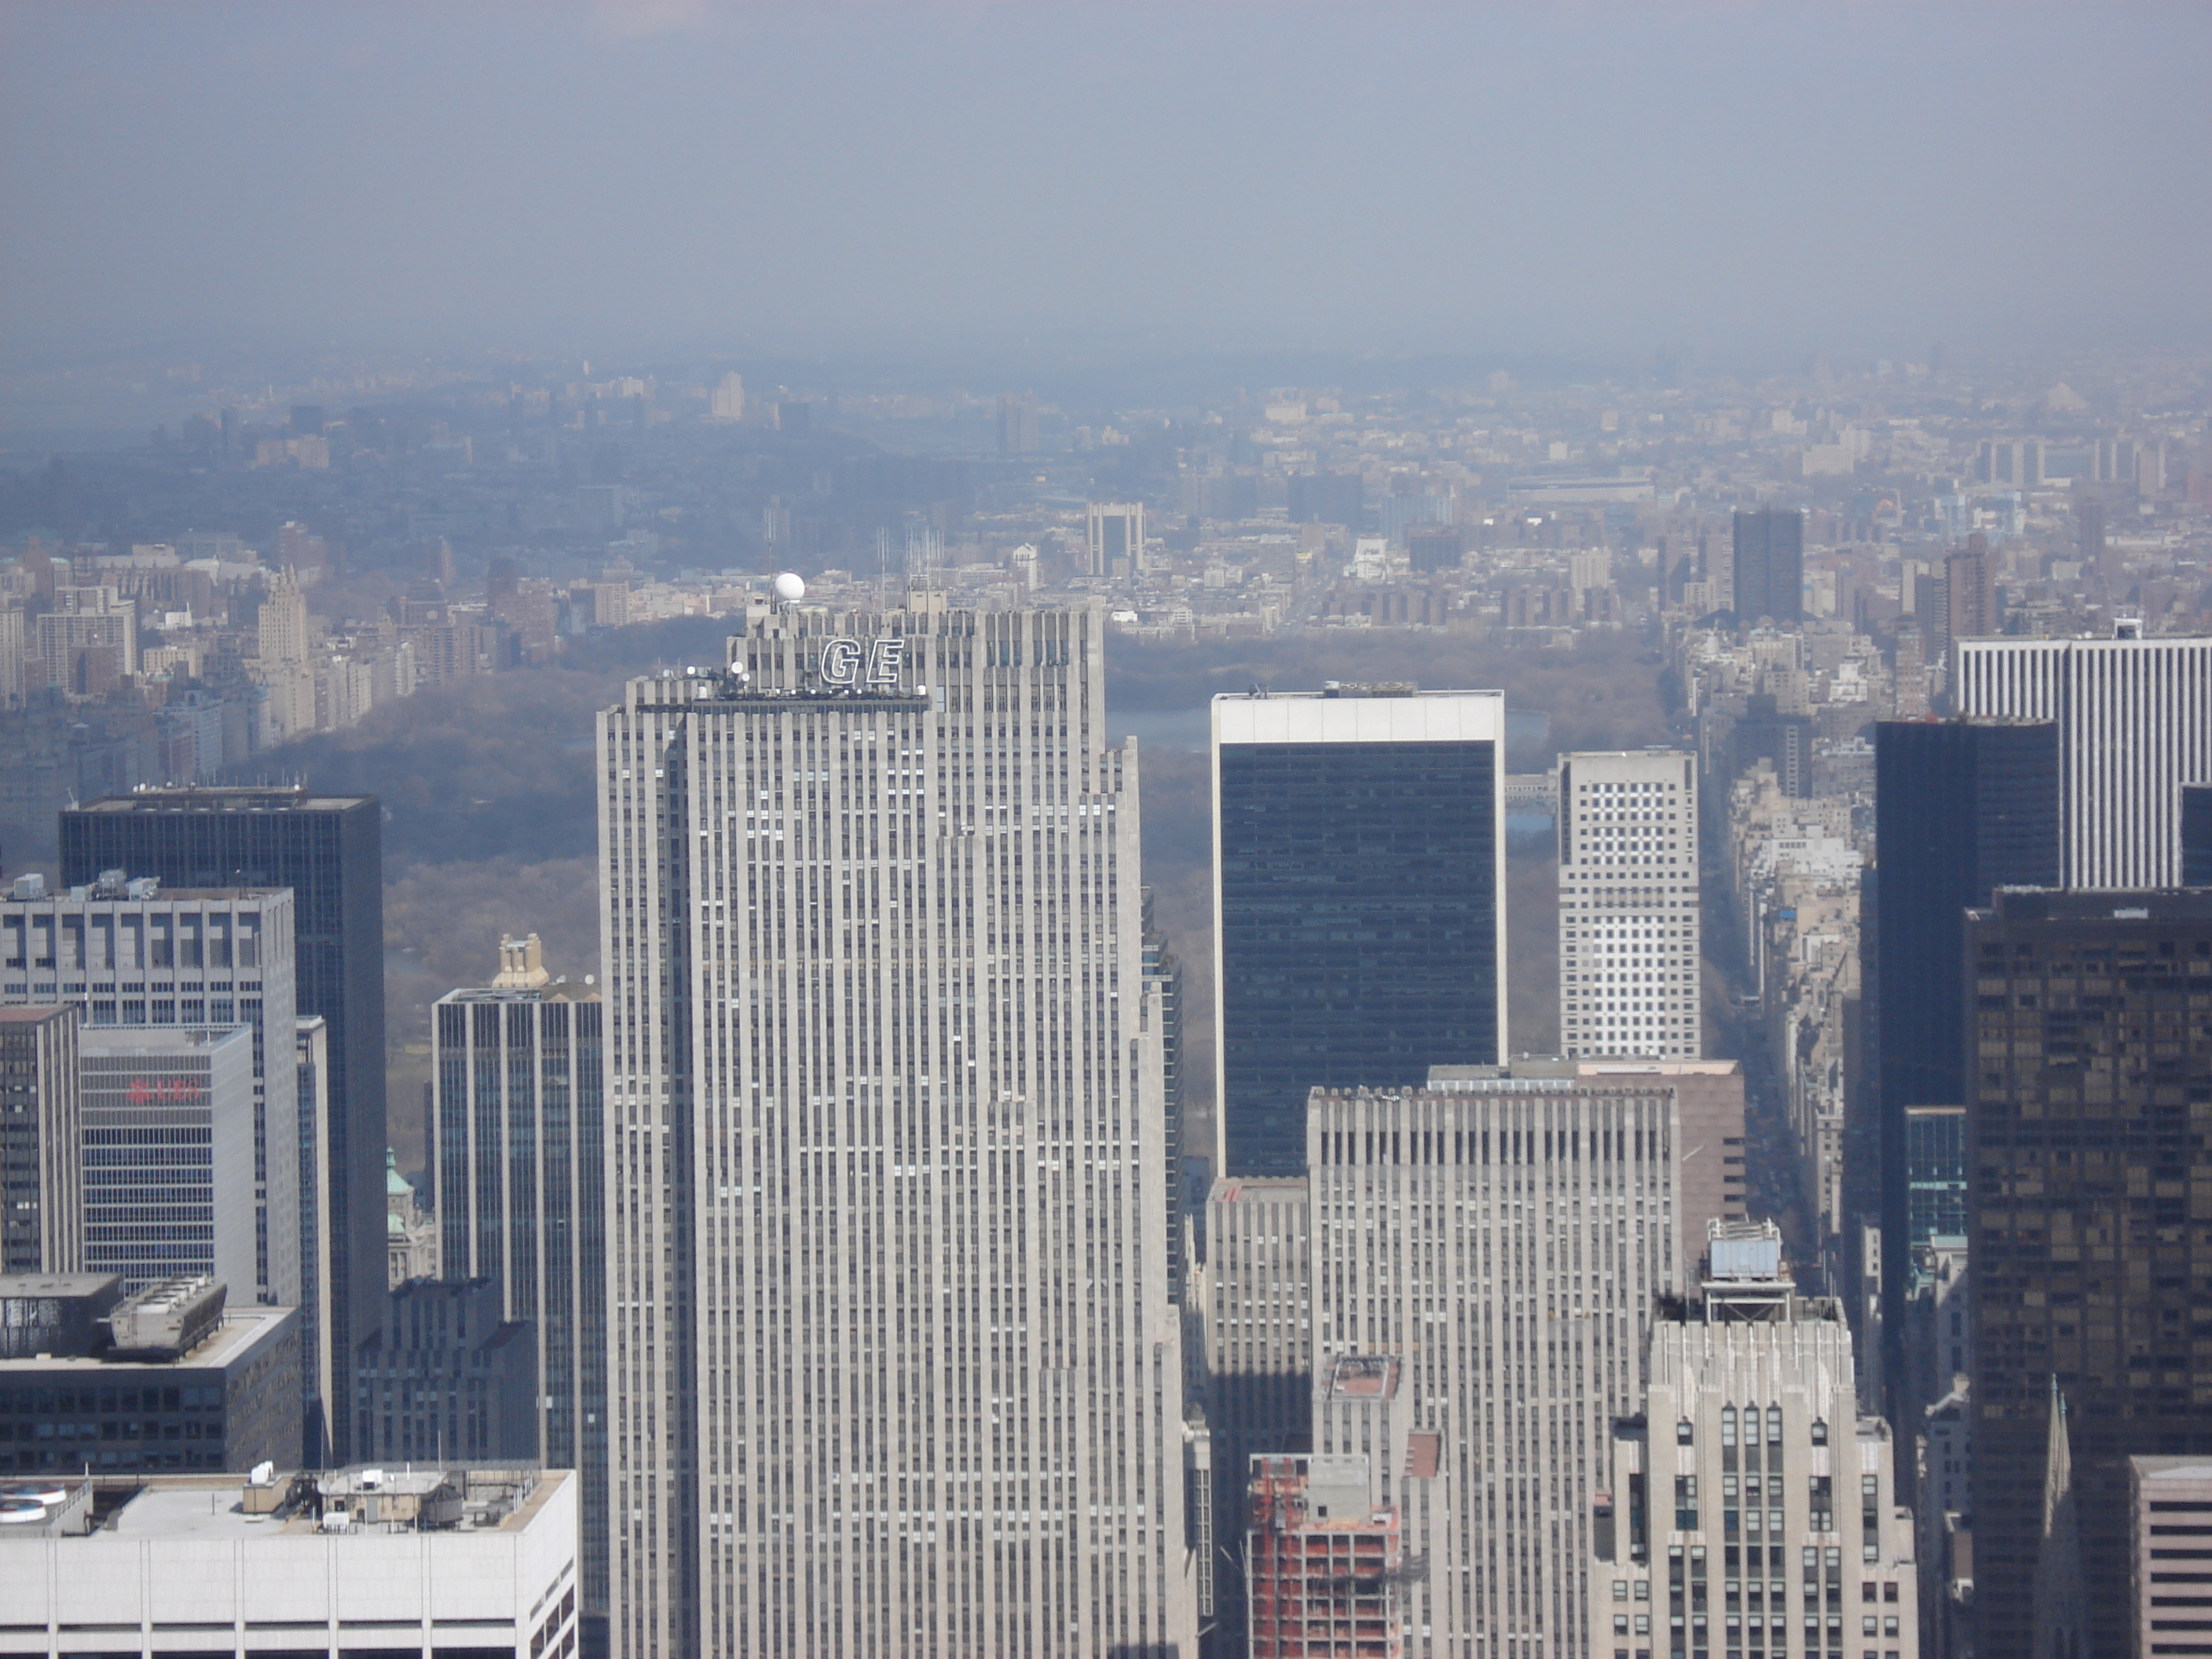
(843,664)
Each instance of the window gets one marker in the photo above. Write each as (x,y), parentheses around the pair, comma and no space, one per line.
(1684,1432)
(1686,1503)
(1820,1432)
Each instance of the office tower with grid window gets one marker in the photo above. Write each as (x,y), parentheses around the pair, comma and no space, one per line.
(517,1163)
(328,850)
(169,1118)
(1358,901)
(1629,932)
(1503,1242)
(41,1179)
(129,953)
(1750,1512)
(2135,724)
(2087,1161)
(893,1367)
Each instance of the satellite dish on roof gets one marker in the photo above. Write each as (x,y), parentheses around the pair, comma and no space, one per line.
(790,587)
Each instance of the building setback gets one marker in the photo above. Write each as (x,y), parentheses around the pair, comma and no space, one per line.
(328,850)
(893,1363)
(1629,913)
(2087,1165)
(1358,902)
(1750,1512)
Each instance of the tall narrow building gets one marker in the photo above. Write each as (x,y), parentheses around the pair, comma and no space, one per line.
(893,1367)
(2088,1167)
(2135,724)
(328,850)
(1358,902)
(1962,808)
(1629,928)
(41,1144)
(518,1167)
(1769,561)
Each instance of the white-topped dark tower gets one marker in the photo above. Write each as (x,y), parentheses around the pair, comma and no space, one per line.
(893,1367)
(2135,725)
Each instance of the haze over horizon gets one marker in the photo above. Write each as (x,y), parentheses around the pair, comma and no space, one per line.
(985,180)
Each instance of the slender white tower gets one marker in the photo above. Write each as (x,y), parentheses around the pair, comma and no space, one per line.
(893,1367)
(1629,931)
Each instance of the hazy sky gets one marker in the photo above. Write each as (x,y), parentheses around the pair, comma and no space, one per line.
(768,176)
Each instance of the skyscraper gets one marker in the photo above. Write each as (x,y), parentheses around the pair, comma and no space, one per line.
(1359,918)
(1116,539)
(1257,1306)
(169,1120)
(1769,561)
(518,1168)
(1628,935)
(1752,1512)
(1502,1242)
(41,1175)
(2088,1162)
(129,953)
(1970,594)
(1961,808)
(893,1365)
(1163,979)
(328,850)
(2196,835)
(2135,724)
(1018,423)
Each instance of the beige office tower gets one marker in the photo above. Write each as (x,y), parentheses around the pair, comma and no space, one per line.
(1629,932)
(893,1369)
(1505,1239)
(1749,1510)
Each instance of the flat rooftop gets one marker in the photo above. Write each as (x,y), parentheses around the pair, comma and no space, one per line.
(213,1505)
(241,1330)
(244,799)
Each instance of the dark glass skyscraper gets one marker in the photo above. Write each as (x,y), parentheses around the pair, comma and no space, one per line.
(328,849)
(1770,564)
(2089,1169)
(1358,901)
(2196,835)
(519,1158)
(1962,808)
